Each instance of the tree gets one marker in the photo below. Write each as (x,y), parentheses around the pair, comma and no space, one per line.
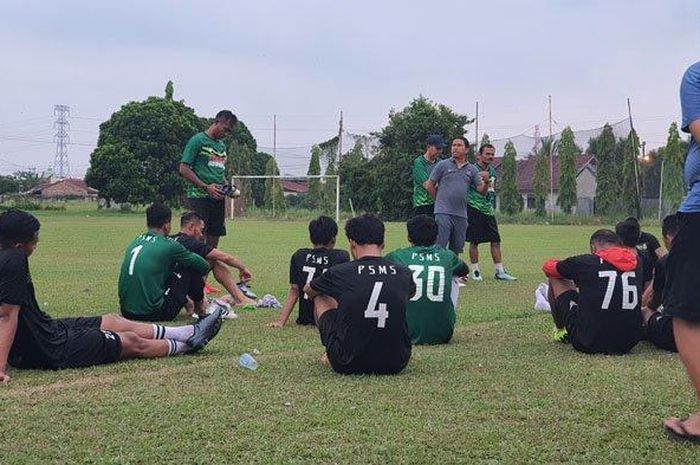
(356,180)
(401,141)
(674,188)
(169,91)
(274,194)
(607,180)
(328,189)
(26,179)
(120,175)
(541,179)
(511,200)
(9,185)
(567,151)
(314,198)
(260,160)
(630,180)
(242,165)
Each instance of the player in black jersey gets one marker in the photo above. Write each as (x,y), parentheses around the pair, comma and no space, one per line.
(360,306)
(628,231)
(595,297)
(658,325)
(306,264)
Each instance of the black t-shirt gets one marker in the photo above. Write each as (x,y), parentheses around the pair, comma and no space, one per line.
(193,245)
(659,283)
(608,319)
(371,323)
(39,340)
(647,263)
(307,264)
(650,243)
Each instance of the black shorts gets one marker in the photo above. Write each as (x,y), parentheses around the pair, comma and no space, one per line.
(482,227)
(682,290)
(424,210)
(182,283)
(660,332)
(213,212)
(87,344)
(565,310)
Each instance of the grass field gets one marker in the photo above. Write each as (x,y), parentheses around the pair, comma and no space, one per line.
(501,392)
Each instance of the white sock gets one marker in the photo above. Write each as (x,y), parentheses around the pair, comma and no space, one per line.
(178,333)
(475,267)
(499,267)
(177,347)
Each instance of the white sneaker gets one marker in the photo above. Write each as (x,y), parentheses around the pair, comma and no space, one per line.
(226,312)
(541,301)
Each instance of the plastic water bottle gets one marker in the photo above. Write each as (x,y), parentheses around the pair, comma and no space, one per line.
(247,361)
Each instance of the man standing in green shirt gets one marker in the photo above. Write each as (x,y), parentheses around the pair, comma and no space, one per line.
(482,218)
(430,314)
(159,273)
(423,203)
(203,165)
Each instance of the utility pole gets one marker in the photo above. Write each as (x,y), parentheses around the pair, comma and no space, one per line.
(636,162)
(551,161)
(61,165)
(340,140)
(274,158)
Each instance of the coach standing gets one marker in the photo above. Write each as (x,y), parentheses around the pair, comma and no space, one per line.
(423,203)
(682,290)
(203,164)
(449,185)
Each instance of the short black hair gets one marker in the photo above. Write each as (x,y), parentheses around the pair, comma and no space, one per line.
(628,231)
(632,218)
(189,217)
(226,115)
(17,227)
(365,229)
(158,215)
(605,236)
(322,230)
(422,230)
(463,139)
(670,226)
(486,146)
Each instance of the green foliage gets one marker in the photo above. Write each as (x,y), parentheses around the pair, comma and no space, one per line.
(26,180)
(674,188)
(260,160)
(241,164)
(8,185)
(607,179)
(630,187)
(314,198)
(567,151)
(169,91)
(541,181)
(119,175)
(356,181)
(511,200)
(274,194)
(401,141)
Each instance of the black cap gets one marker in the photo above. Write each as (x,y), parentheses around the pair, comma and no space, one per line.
(436,140)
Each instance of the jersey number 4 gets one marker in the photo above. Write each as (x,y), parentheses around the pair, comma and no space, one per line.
(376,309)
(630,298)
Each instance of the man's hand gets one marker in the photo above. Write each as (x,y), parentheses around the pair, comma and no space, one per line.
(245,275)
(4,378)
(485,176)
(214,191)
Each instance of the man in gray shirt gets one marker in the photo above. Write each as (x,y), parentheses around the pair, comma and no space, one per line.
(449,185)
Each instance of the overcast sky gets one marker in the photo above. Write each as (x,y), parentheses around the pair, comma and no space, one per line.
(307,60)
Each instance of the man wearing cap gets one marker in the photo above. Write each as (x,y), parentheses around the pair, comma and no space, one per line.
(423,203)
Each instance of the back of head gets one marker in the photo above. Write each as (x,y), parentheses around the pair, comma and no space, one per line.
(422,230)
(225,116)
(158,215)
(188,218)
(628,231)
(605,237)
(366,229)
(670,226)
(322,230)
(17,227)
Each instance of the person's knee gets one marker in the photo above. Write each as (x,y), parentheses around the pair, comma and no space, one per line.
(133,346)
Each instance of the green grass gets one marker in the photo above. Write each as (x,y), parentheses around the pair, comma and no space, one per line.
(501,392)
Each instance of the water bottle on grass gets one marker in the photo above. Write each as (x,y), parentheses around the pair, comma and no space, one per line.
(247,361)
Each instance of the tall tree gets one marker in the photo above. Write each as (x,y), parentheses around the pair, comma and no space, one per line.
(356,181)
(630,179)
(607,179)
(674,188)
(511,200)
(169,90)
(567,151)
(241,164)
(401,141)
(274,194)
(541,179)
(314,198)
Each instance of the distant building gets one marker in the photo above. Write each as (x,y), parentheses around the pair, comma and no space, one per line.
(63,189)
(294,187)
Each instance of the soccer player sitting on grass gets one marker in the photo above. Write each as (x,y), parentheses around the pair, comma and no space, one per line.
(191,236)
(628,232)
(659,325)
(29,338)
(360,306)
(158,274)
(430,313)
(307,264)
(595,297)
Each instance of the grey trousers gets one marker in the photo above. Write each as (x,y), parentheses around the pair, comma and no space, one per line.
(452,232)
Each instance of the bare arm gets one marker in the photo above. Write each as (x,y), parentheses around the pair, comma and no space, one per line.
(8,329)
(186,172)
(694,129)
(648,295)
(292,298)
(230,260)
(311,292)
(431,187)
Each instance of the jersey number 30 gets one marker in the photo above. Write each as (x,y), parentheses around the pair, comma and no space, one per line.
(435,273)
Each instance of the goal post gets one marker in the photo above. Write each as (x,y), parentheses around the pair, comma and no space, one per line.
(293,178)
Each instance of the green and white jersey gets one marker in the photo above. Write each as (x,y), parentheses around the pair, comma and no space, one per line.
(421,173)
(430,313)
(148,262)
(207,157)
(486,203)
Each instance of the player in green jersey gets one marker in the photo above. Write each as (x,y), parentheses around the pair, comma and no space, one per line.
(159,273)
(430,313)
(423,203)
